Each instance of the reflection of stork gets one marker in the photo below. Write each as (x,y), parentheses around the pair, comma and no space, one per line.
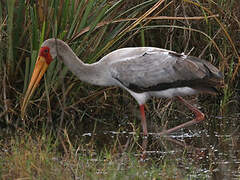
(142,71)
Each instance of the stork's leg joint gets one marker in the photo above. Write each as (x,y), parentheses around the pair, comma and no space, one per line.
(199,117)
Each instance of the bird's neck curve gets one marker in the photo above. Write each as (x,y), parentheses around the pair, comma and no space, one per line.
(90,73)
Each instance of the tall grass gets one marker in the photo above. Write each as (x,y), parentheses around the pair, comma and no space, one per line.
(92,28)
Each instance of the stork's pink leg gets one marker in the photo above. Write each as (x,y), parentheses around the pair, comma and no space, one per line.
(143,120)
(199,117)
(145,132)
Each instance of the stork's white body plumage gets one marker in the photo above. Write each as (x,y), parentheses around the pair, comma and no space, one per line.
(142,71)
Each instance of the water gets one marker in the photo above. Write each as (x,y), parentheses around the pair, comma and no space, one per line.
(201,152)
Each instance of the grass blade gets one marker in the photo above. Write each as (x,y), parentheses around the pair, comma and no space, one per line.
(10,60)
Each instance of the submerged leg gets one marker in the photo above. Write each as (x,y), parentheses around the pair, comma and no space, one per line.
(199,117)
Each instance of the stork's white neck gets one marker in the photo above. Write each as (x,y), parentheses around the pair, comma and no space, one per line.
(90,73)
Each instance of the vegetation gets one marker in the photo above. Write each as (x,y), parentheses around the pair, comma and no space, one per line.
(52,141)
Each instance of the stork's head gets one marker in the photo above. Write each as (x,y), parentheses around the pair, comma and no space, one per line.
(48,50)
(46,55)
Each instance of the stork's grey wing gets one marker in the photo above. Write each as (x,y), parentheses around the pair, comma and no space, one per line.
(158,70)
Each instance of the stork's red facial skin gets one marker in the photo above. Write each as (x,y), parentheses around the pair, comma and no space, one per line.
(45,52)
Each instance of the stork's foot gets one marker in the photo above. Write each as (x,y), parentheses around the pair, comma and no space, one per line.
(199,118)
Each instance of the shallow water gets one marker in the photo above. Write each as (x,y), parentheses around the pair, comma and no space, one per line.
(202,151)
(209,150)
